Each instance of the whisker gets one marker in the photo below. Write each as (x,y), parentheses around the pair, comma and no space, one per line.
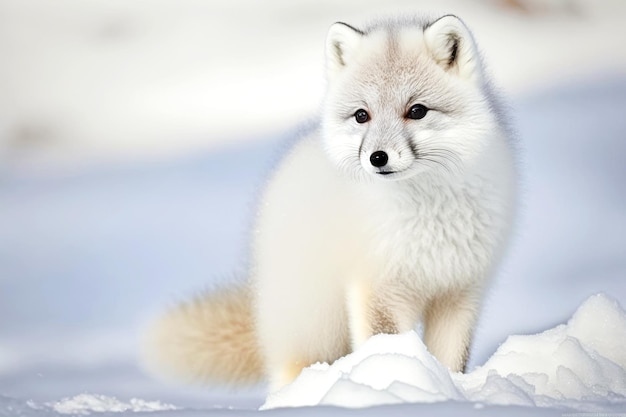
(440,163)
(452,159)
(441,156)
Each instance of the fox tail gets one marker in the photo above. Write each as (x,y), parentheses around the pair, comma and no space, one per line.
(210,338)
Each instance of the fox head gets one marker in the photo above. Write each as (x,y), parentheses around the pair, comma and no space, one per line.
(405,98)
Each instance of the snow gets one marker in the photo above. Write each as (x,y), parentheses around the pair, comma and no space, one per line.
(579,365)
(87,404)
(92,246)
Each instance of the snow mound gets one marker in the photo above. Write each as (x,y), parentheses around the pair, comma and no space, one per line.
(579,365)
(90,403)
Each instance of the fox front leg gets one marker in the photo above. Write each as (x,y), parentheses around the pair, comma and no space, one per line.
(358,299)
(449,322)
(366,315)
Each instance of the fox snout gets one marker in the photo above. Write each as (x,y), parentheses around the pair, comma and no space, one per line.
(380,159)
(386,161)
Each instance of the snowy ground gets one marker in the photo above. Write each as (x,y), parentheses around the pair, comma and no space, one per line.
(579,365)
(89,254)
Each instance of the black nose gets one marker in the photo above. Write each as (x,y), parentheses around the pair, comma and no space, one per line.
(379,159)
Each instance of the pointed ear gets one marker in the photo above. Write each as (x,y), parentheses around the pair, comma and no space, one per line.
(341,42)
(452,46)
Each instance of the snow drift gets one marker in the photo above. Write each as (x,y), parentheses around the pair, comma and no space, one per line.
(87,404)
(579,365)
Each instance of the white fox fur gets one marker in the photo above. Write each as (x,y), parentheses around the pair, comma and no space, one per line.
(348,244)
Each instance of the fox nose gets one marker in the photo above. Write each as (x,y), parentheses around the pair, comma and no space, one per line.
(379,159)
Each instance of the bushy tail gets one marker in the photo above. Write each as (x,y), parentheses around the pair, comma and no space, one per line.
(208,339)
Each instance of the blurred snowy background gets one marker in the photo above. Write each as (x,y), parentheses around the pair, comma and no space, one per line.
(134,134)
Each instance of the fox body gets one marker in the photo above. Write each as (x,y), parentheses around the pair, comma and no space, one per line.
(393,211)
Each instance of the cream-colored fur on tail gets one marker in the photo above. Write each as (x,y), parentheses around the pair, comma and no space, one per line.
(207,339)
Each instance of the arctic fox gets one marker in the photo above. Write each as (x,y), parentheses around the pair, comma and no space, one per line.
(394,211)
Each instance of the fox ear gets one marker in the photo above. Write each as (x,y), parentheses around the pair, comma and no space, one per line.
(452,46)
(341,42)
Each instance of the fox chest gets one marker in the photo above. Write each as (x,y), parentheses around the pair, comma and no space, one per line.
(435,241)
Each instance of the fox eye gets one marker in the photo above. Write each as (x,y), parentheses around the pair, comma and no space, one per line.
(417,111)
(361,116)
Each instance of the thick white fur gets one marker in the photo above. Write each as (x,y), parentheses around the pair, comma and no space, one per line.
(341,252)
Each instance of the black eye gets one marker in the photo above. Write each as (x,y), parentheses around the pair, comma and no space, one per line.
(417,111)
(361,116)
